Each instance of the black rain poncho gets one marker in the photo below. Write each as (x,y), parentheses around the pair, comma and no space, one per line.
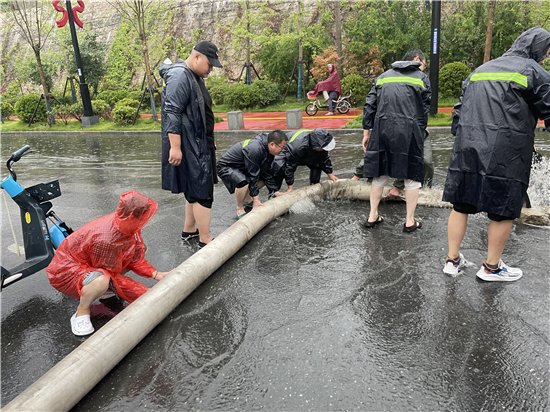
(183,114)
(494,126)
(397,112)
(301,150)
(249,160)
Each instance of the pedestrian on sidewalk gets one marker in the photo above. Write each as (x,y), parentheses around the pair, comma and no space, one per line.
(305,147)
(394,121)
(188,148)
(246,167)
(494,124)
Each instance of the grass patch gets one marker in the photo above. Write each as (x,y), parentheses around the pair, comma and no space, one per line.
(280,107)
(76,126)
(441,119)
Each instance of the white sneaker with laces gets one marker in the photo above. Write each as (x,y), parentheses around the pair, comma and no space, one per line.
(503,273)
(81,325)
(452,267)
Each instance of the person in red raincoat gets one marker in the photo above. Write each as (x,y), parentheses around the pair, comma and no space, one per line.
(95,257)
(332,86)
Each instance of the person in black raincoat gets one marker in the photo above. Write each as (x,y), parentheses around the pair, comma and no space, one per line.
(188,149)
(494,125)
(246,167)
(396,111)
(305,147)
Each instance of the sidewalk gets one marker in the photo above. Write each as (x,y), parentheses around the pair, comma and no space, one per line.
(277,120)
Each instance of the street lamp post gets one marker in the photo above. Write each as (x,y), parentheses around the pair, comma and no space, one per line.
(89,119)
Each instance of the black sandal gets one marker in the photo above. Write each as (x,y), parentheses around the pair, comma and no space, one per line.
(417,225)
(370,225)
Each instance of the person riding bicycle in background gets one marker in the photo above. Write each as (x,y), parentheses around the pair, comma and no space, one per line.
(331,86)
(95,258)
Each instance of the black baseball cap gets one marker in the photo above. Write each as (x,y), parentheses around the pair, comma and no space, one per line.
(210,50)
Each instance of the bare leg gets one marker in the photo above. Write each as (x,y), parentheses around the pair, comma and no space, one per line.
(240,195)
(189,225)
(456,229)
(202,215)
(411,197)
(91,292)
(498,234)
(375,196)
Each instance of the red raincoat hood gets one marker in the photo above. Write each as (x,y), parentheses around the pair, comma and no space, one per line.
(133,212)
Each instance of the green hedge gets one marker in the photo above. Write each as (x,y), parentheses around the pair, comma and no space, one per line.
(123,115)
(241,96)
(25,106)
(451,77)
(267,93)
(6,109)
(359,89)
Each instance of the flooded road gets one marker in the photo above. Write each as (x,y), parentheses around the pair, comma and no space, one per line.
(314,313)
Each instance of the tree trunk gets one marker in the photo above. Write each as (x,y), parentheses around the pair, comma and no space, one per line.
(149,79)
(51,118)
(338,36)
(489,38)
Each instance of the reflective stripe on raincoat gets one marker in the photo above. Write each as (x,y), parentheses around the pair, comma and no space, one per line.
(109,245)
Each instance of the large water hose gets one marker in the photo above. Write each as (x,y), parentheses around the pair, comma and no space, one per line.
(63,386)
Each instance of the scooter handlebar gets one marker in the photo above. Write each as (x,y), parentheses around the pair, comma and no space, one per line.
(15,156)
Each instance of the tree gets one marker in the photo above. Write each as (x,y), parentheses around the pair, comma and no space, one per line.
(143,16)
(33,21)
(92,53)
(489,38)
(393,26)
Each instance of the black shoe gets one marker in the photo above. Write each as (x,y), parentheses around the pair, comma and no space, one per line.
(370,225)
(202,244)
(189,235)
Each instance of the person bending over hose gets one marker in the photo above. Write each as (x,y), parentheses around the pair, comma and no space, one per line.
(92,261)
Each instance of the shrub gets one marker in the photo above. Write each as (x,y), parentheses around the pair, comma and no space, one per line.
(77,110)
(6,109)
(359,89)
(101,108)
(135,95)
(216,80)
(218,93)
(25,106)
(241,96)
(266,92)
(451,77)
(123,115)
(63,112)
(112,96)
(128,102)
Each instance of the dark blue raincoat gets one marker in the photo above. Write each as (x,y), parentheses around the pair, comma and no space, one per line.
(397,112)
(494,126)
(249,160)
(183,114)
(301,150)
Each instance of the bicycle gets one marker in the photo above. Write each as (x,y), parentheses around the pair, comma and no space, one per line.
(39,240)
(342,104)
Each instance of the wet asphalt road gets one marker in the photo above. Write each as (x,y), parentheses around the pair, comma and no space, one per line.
(315,313)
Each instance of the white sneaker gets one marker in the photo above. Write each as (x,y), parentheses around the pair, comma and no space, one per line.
(82,325)
(503,273)
(452,267)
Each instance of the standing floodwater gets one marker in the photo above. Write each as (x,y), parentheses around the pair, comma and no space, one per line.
(315,313)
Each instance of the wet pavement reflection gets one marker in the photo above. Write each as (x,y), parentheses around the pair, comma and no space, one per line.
(314,313)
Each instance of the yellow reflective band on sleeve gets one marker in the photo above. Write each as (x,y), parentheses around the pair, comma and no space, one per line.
(404,79)
(299,132)
(506,77)
(246,142)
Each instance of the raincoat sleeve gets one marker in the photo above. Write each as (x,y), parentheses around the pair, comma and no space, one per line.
(139,265)
(325,163)
(176,100)
(369,110)
(269,180)
(540,95)
(252,167)
(458,107)
(291,164)
(426,101)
